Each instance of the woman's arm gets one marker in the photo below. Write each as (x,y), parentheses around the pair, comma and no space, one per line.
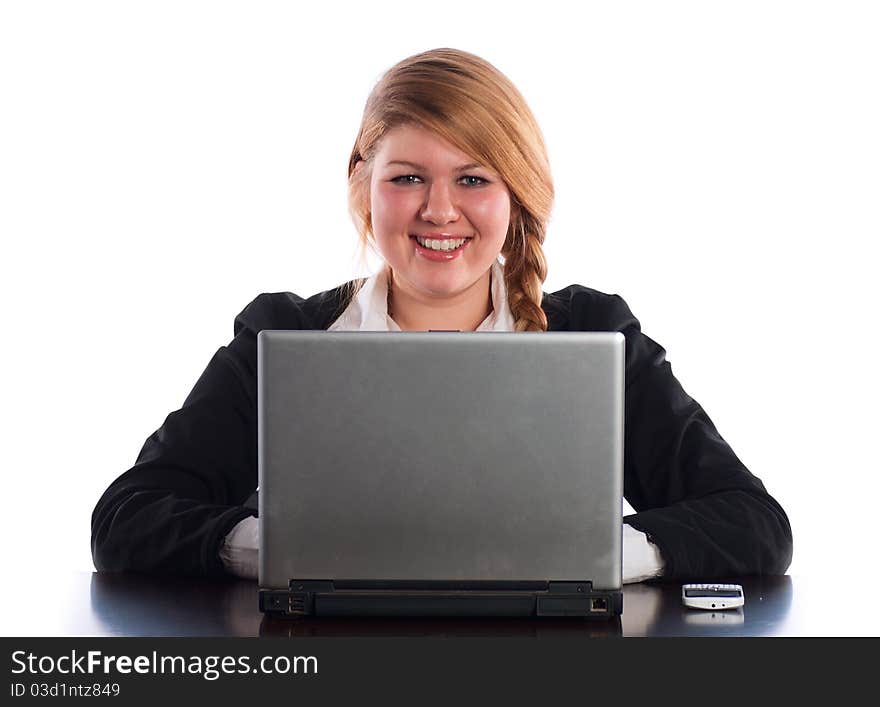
(708,514)
(170,512)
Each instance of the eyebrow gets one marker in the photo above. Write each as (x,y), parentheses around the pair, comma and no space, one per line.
(472,165)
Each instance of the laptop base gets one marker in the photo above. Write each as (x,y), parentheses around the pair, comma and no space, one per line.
(429,598)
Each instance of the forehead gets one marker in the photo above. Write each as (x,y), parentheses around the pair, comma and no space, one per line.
(419,146)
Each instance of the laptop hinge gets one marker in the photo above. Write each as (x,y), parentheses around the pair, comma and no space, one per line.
(309,597)
(327,585)
(311,585)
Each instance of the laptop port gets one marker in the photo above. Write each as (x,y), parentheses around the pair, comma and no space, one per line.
(297,604)
(598,604)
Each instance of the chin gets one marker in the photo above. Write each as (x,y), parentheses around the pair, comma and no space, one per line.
(445,286)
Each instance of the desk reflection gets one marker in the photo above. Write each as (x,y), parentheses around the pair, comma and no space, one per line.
(656,609)
(146,605)
(129,604)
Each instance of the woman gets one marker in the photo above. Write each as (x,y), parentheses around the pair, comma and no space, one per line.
(449,181)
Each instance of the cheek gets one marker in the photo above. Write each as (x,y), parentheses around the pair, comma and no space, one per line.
(492,213)
(390,208)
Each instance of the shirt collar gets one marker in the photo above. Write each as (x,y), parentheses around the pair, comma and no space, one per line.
(368,309)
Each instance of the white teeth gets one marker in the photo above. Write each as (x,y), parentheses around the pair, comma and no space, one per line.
(435,244)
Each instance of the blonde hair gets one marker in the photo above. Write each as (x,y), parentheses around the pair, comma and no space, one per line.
(472,105)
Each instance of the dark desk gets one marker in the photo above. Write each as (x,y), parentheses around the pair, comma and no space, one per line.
(135,605)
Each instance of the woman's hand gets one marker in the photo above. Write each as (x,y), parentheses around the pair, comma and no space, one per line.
(240,551)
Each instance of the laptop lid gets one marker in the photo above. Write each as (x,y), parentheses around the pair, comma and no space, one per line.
(440,456)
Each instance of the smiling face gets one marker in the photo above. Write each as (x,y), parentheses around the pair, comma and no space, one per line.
(423,186)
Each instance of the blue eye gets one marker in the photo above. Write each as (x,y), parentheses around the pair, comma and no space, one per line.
(401,178)
(480,180)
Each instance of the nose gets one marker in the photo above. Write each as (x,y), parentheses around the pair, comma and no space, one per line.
(439,207)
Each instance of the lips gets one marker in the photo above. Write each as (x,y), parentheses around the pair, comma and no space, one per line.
(440,255)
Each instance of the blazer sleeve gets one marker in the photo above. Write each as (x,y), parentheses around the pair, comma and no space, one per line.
(170,512)
(708,514)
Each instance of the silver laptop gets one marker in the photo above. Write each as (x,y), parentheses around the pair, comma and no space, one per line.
(440,473)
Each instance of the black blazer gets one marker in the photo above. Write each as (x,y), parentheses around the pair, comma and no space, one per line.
(706,512)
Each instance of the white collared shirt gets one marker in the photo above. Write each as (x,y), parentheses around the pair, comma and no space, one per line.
(368,311)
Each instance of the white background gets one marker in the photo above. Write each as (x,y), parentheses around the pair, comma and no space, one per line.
(716,164)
